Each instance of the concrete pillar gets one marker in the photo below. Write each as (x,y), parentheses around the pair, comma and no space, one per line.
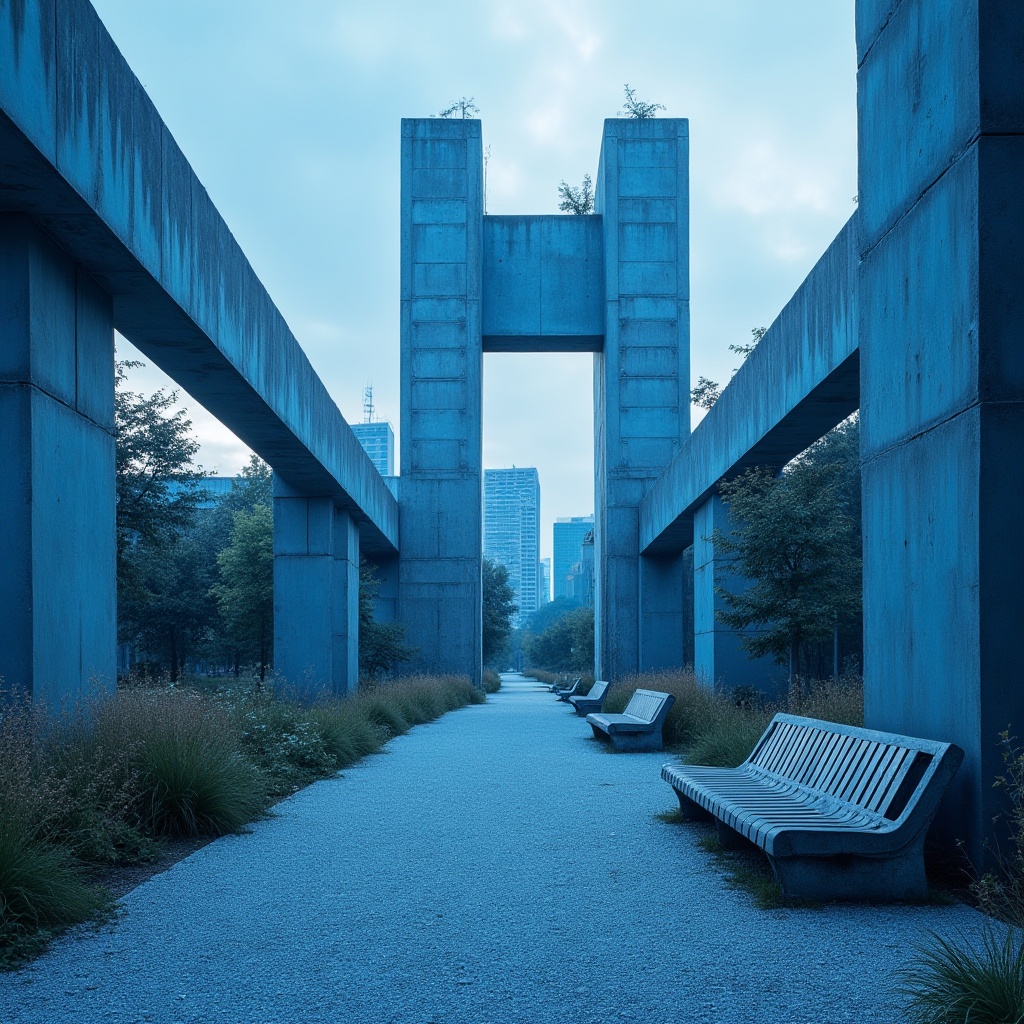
(345,601)
(58,632)
(718,655)
(642,377)
(941,114)
(663,586)
(316,593)
(440,515)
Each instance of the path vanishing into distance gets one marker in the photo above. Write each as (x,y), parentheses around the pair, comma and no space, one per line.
(494,866)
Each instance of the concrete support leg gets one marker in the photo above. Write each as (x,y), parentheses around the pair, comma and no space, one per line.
(316,594)
(719,656)
(942,382)
(57,514)
(642,376)
(345,600)
(440,517)
(663,588)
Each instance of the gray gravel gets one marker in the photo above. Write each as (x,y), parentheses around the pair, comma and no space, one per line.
(496,865)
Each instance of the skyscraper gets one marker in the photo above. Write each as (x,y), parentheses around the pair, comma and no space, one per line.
(545,581)
(568,536)
(378,441)
(512,532)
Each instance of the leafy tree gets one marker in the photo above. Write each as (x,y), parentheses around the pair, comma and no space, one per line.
(461,108)
(796,539)
(548,614)
(637,108)
(158,488)
(381,644)
(254,486)
(706,393)
(245,593)
(499,606)
(566,645)
(169,610)
(577,201)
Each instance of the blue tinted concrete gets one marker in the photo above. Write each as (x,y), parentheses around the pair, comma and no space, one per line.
(718,655)
(664,580)
(543,284)
(439,575)
(57,607)
(800,381)
(642,376)
(941,113)
(86,154)
(316,594)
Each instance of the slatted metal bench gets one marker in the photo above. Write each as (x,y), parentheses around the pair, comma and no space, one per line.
(592,701)
(639,726)
(841,812)
(565,694)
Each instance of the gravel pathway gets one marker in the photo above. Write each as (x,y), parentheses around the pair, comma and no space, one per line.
(495,866)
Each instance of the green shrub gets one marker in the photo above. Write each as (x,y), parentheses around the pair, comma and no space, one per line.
(491,680)
(961,983)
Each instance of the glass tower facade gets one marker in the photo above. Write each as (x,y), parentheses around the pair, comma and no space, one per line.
(568,536)
(378,441)
(512,532)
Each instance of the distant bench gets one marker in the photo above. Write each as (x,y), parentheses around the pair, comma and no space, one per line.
(639,726)
(841,812)
(592,701)
(564,693)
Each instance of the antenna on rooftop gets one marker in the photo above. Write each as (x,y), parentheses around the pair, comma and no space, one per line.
(368,403)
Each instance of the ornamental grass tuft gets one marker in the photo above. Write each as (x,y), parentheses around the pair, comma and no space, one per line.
(964,983)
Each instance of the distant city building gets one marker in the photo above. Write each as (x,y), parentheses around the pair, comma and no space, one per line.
(545,582)
(216,487)
(581,575)
(568,536)
(378,441)
(512,532)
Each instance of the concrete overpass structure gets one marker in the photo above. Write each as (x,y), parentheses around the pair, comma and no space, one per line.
(103,225)
(912,314)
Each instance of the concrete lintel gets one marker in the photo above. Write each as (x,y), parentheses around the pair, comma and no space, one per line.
(801,380)
(84,152)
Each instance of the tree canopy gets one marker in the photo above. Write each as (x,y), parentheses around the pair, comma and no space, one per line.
(578,201)
(499,601)
(566,645)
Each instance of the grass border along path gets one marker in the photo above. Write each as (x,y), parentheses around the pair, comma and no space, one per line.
(88,793)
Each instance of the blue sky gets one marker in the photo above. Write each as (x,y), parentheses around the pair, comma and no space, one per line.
(290,116)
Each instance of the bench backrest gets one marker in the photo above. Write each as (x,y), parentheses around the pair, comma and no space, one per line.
(598,690)
(649,705)
(880,772)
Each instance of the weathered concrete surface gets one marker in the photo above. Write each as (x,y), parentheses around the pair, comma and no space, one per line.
(941,118)
(642,376)
(57,607)
(83,150)
(800,381)
(718,656)
(543,284)
(439,573)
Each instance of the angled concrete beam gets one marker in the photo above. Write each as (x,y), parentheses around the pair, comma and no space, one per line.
(84,152)
(800,381)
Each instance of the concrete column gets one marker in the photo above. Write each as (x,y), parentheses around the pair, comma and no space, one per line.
(440,515)
(941,115)
(718,655)
(316,593)
(642,377)
(345,600)
(663,586)
(58,632)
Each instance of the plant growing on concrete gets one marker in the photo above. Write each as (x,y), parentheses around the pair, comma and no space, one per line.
(462,108)
(705,393)
(577,201)
(638,108)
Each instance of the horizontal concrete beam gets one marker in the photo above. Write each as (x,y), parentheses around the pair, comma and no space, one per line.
(801,380)
(84,152)
(543,284)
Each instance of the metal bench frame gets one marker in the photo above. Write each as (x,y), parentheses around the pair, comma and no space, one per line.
(639,727)
(592,701)
(564,695)
(841,812)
